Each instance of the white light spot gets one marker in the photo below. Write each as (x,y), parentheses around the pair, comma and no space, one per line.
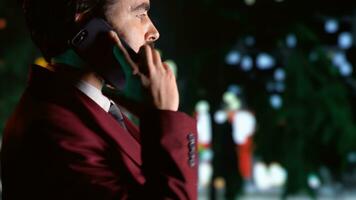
(314,181)
(280,75)
(206,155)
(331,26)
(246,63)
(346,69)
(339,58)
(276,101)
(202,106)
(278,175)
(220,117)
(205,174)
(291,41)
(265,61)
(233,58)
(345,40)
(261,176)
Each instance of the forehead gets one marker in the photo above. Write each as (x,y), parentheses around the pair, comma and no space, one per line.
(133,3)
(129,6)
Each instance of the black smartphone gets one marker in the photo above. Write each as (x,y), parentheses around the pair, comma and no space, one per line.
(94,46)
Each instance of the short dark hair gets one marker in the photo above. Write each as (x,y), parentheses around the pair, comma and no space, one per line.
(52,22)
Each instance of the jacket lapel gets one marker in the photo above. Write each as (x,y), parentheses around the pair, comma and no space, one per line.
(126,142)
(132,129)
(52,86)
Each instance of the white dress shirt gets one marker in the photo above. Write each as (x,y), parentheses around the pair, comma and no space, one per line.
(95,94)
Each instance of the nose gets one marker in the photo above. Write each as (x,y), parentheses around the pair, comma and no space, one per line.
(152,34)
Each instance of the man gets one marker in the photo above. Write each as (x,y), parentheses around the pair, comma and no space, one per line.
(63,142)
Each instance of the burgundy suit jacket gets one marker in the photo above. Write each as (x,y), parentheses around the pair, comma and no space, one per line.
(60,145)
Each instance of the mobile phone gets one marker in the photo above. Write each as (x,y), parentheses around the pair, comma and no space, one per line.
(94,46)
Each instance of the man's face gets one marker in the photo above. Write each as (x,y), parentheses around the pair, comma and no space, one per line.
(130,20)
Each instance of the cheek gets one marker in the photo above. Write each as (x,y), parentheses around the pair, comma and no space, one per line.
(133,35)
(128,29)
(135,38)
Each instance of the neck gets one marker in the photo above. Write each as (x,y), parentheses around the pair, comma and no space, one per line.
(93,79)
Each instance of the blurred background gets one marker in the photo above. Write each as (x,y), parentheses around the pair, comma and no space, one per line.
(271,83)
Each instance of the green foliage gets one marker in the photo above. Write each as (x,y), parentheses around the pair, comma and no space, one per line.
(315,126)
(16,54)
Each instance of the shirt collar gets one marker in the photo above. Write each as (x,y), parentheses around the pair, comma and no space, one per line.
(95,94)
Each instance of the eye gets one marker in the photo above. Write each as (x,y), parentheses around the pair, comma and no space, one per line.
(142,15)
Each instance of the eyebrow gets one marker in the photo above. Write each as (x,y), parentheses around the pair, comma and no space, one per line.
(143,6)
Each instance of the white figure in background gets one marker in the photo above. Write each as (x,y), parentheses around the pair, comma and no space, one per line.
(204,143)
(243,126)
(204,122)
(243,121)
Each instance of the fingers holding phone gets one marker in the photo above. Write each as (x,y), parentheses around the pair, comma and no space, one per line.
(156,77)
(158,80)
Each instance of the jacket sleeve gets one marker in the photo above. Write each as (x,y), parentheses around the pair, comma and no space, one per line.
(169,154)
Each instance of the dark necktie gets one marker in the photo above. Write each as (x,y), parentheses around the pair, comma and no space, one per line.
(116,113)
